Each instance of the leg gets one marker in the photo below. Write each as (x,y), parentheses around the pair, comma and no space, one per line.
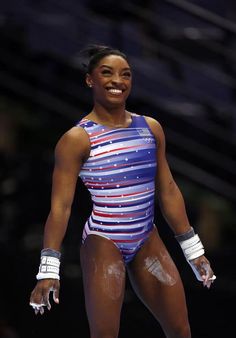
(156,281)
(104,283)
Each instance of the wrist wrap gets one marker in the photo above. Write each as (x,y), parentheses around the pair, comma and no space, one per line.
(191,245)
(49,264)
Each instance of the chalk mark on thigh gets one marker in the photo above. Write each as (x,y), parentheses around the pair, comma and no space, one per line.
(114,275)
(154,266)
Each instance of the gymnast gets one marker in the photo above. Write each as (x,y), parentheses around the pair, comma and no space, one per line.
(120,157)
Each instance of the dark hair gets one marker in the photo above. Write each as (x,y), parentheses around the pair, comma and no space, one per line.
(92,54)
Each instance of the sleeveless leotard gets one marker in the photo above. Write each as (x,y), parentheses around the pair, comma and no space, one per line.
(120,175)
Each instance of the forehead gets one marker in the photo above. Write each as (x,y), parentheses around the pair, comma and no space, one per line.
(113,61)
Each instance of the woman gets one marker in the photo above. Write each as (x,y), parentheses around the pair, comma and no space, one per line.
(116,153)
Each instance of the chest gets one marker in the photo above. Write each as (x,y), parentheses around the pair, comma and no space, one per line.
(127,154)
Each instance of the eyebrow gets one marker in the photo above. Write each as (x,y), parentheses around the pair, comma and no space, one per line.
(126,68)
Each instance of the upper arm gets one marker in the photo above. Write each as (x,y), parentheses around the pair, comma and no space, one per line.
(164,179)
(70,152)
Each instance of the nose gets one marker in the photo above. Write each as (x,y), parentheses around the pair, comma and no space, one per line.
(116,78)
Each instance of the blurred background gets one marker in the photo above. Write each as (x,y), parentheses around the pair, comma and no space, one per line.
(183,55)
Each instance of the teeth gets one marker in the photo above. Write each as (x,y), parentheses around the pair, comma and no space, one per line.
(115,91)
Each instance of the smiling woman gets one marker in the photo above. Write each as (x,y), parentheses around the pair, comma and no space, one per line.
(116,152)
(110,77)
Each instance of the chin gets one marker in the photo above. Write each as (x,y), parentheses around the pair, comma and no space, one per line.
(117,101)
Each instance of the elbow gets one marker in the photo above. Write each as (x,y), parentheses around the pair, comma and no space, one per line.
(61,210)
(170,197)
(169,191)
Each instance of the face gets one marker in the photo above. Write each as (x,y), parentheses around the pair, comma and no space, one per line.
(111,81)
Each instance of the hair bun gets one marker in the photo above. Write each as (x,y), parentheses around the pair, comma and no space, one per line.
(93,49)
(92,53)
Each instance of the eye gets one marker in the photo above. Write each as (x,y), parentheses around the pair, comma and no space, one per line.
(106,72)
(126,74)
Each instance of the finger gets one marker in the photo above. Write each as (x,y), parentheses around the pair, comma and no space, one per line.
(49,306)
(208,277)
(56,296)
(41,310)
(36,305)
(46,301)
(206,272)
(213,278)
(211,281)
(208,284)
(204,280)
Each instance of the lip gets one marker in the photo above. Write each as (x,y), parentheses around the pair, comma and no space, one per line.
(115,92)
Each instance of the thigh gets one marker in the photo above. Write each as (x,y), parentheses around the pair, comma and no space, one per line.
(103,272)
(157,282)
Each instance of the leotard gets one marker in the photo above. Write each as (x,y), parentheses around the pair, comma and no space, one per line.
(120,175)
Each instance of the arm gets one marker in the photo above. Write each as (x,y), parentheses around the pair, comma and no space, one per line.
(173,206)
(70,152)
(169,196)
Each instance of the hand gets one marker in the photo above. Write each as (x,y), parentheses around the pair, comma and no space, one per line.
(40,295)
(202,269)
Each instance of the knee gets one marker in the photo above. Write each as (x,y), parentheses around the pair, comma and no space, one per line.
(104,334)
(181,331)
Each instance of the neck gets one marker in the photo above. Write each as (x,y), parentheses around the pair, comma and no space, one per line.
(116,116)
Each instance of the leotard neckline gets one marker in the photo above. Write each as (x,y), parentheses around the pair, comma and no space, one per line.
(109,127)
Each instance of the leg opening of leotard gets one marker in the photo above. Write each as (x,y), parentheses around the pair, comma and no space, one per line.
(97,234)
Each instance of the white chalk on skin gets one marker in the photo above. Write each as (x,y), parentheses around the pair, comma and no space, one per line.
(212,278)
(36,306)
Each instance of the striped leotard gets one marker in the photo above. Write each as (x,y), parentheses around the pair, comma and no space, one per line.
(120,175)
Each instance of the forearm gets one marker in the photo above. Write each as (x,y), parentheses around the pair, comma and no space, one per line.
(55,228)
(173,209)
(54,232)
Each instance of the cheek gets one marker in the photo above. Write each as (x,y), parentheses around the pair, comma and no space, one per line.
(128,90)
(129,85)
(98,89)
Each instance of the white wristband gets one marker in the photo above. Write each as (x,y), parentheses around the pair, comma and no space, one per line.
(49,268)
(192,247)
(47,275)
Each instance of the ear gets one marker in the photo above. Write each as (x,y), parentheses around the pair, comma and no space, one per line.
(89,80)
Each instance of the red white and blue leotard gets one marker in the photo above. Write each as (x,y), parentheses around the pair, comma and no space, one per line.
(120,175)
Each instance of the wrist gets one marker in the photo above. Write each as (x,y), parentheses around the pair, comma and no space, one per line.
(190,244)
(51,253)
(186,235)
(49,264)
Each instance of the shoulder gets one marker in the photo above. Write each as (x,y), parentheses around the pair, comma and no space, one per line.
(156,128)
(73,136)
(74,141)
(152,123)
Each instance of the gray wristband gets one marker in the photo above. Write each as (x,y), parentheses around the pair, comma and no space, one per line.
(51,253)
(182,237)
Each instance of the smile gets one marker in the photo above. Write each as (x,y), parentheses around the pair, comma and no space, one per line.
(114,91)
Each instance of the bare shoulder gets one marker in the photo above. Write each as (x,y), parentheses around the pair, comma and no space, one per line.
(73,142)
